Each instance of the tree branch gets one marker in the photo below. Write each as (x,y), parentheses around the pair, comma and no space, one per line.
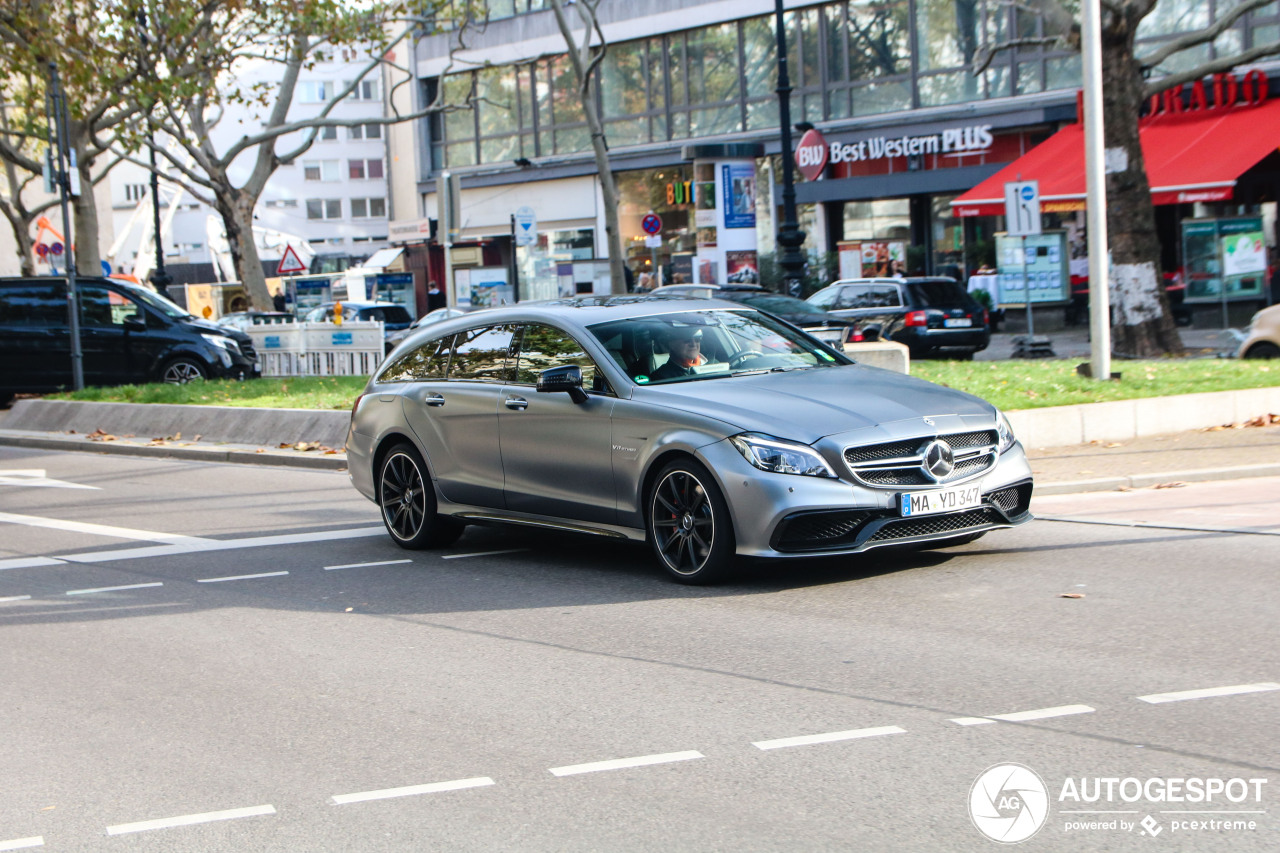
(1177,45)
(1219,65)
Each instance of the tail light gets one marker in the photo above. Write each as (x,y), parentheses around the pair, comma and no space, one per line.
(854,336)
(986,317)
(915,318)
(356,406)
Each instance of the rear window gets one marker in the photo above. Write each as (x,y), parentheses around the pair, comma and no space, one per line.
(939,294)
(33,304)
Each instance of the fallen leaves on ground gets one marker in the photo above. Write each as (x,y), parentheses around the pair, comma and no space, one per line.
(1259,421)
(1177,485)
(100,435)
(306,446)
(1071,595)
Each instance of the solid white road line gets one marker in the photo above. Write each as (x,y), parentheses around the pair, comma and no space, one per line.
(829,737)
(482,554)
(1209,692)
(1025,716)
(22,843)
(222,545)
(362,565)
(112,588)
(241,577)
(189,820)
(620,763)
(412,790)
(28,563)
(97,529)
(14,598)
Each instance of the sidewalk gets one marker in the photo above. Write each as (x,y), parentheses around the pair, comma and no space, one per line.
(1074,342)
(1191,455)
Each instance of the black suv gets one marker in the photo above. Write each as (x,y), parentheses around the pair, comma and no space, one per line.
(928,315)
(128,334)
(831,330)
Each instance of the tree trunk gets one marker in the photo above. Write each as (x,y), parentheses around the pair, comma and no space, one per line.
(1141,324)
(84,213)
(609,192)
(22,238)
(236,209)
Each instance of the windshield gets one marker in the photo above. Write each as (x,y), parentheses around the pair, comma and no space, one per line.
(713,344)
(158,302)
(787,306)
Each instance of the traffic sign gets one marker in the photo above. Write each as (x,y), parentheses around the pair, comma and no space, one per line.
(526,227)
(653,241)
(290,262)
(652,223)
(1022,208)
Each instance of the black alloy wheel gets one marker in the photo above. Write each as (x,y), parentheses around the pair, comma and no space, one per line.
(689,524)
(1263,350)
(408,502)
(182,370)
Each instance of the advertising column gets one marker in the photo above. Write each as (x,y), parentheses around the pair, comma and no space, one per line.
(725,213)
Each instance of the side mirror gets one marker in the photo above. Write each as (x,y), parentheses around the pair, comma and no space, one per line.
(566,378)
(134,324)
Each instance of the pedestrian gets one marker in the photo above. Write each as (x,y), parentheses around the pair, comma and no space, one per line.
(435,297)
(278,300)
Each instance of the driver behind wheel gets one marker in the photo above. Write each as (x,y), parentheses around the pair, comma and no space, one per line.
(685,345)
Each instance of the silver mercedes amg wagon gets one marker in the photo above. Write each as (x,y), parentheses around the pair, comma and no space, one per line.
(705,427)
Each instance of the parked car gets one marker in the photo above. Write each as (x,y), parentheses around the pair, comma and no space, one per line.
(394,317)
(708,428)
(428,319)
(929,315)
(828,328)
(244,320)
(1262,338)
(128,334)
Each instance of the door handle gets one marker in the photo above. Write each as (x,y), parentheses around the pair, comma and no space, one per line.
(433,400)
(517,403)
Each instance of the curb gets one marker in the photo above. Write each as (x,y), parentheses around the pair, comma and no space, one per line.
(1146,481)
(234,454)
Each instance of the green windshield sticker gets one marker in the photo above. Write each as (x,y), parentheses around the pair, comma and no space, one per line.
(642,379)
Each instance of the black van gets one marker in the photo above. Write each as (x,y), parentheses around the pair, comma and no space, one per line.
(128,334)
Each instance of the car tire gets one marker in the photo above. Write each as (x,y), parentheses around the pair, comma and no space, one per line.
(184,369)
(407,500)
(1263,350)
(5,398)
(689,524)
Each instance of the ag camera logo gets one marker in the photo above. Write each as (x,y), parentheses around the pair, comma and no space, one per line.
(1008,803)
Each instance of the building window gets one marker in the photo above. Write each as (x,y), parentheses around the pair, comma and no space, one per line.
(366,208)
(327,134)
(324,208)
(365,131)
(365,90)
(320,170)
(282,202)
(135,192)
(360,169)
(315,91)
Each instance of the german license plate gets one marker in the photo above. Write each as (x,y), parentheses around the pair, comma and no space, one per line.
(957,322)
(939,500)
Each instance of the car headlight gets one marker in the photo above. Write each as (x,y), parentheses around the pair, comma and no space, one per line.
(223,343)
(781,457)
(1004,431)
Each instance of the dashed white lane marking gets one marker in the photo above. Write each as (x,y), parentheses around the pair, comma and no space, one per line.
(412,790)
(98,529)
(1024,716)
(829,737)
(112,588)
(37,477)
(621,763)
(1209,692)
(29,563)
(14,598)
(202,545)
(241,577)
(189,820)
(362,565)
(482,554)
(23,843)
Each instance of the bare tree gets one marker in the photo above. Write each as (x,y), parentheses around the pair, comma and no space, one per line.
(1142,324)
(585,57)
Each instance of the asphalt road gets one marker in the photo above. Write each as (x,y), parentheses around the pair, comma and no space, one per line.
(206,657)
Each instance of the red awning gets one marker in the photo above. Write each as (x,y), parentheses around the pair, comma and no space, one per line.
(1192,156)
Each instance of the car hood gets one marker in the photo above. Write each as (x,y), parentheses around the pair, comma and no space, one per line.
(858,402)
(209,326)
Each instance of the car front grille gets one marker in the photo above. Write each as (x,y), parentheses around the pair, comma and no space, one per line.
(249,352)
(900,464)
(953,522)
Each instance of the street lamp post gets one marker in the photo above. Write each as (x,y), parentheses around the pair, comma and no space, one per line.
(790,237)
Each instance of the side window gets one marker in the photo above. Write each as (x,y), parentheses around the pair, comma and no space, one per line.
(542,347)
(825,298)
(481,355)
(33,304)
(422,363)
(886,296)
(853,297)
(103,307)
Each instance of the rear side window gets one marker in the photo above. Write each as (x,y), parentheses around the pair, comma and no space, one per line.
(483,355)
(387,314)
(420,364)
(939,294)
(33,304)
(870,296)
